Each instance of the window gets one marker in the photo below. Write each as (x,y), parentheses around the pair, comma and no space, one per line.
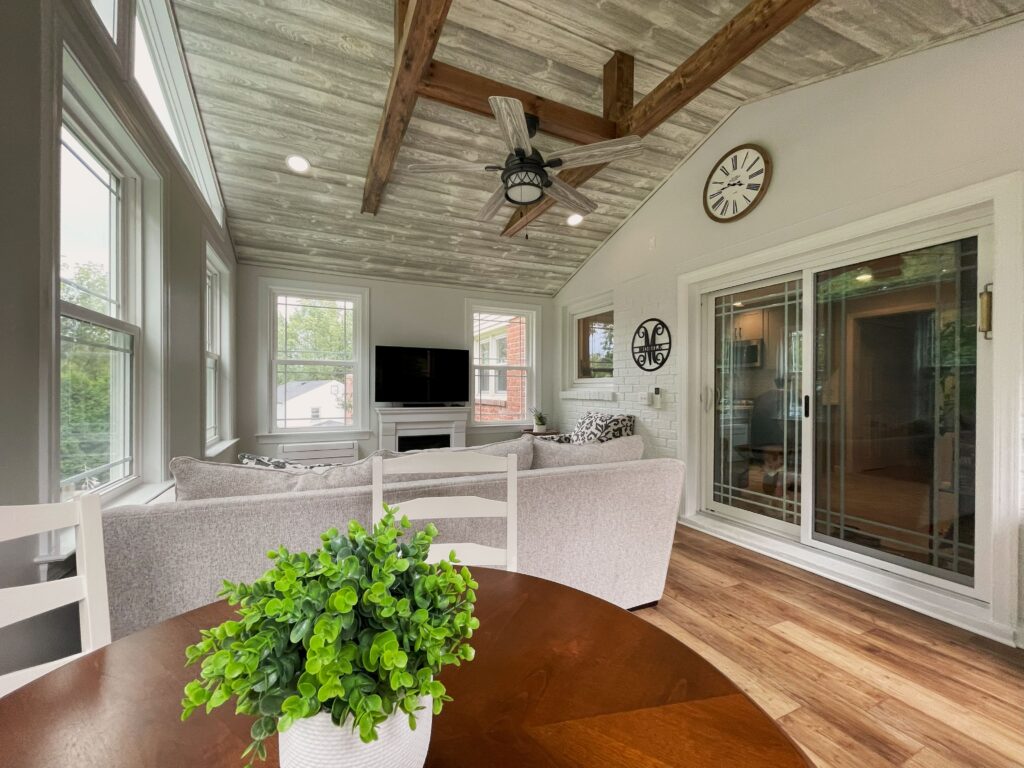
(317,361)
(212,338)
(503,364)
(97,343)
(159,70)
(148,79)
(107,11)
(595,344)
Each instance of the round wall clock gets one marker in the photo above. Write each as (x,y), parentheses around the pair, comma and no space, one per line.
(737,183)
(652,344)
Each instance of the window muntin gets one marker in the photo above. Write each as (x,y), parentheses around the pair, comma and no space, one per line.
(595,345)
(97,345)
(316,363)
(503,358)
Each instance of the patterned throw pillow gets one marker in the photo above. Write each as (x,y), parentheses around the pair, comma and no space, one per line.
(589,428)
(554,438)
(619,425)
(601,427)
(270,462)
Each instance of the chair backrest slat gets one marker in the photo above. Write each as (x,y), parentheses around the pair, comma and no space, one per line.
(88,588)
(450,507)
(454,462)
(24,602)
(28,520)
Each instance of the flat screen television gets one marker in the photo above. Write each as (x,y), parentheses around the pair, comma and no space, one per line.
(421,375)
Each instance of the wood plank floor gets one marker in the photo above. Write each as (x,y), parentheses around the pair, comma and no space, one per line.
(857,682)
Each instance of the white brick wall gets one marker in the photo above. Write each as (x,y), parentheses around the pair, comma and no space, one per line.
(635,302)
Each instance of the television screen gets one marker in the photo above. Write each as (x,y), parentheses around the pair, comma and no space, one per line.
(421,375)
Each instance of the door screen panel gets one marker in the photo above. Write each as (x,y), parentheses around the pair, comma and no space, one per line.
(757,404)
(895,359)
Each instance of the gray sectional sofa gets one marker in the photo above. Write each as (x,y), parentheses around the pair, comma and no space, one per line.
(606,529)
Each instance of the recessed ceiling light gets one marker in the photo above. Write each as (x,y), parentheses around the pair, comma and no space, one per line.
(298,163)
(574,220)
(864,277)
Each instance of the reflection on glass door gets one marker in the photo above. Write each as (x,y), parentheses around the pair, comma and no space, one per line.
(895,352)
(757,404)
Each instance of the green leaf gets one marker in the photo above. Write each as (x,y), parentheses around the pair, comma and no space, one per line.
(299,630)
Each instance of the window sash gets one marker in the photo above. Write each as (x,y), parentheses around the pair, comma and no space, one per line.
(103,170)
(124,402)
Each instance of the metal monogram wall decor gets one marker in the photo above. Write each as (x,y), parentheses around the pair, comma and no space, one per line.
(652,344)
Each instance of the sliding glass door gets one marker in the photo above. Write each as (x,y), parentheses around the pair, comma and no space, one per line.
(756,403)
(840,408)
(895,382)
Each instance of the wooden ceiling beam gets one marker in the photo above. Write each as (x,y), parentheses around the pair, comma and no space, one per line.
(469,91)
(747,31)
(422,21)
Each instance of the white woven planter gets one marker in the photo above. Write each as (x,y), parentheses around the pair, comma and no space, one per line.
(316,742)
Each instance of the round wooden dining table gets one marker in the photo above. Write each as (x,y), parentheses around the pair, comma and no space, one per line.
(560,678)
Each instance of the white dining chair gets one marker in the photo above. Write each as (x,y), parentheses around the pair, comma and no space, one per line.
(88,587)
(451,507)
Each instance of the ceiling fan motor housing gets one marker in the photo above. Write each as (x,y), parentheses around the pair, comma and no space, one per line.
(524,178)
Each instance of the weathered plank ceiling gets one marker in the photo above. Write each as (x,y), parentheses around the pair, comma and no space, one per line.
(276,77)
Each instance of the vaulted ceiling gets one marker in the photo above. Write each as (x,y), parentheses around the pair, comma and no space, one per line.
(310,77)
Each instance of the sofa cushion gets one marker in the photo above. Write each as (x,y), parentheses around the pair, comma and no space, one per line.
(522,447)
(195,479)
(547,454)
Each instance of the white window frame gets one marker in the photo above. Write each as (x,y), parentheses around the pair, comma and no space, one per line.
(141,282)
(269,289)
(125,269)
(218,349)
(164,44)
(532,313)
(990,607)
(575,312)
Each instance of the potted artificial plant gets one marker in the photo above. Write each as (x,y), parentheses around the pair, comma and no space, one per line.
(540,421)
(338,651)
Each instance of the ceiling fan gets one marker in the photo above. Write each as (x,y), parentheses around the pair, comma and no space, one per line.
(524,176)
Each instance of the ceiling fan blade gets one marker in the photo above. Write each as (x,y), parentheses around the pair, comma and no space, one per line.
(595,154)
(570,196)
(512,121)
(450,165)
(494,202)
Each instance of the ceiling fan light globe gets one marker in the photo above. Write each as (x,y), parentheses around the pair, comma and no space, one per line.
(523,187)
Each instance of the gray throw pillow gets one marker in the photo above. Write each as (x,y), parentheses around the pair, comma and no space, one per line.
(547,454)
(522,447)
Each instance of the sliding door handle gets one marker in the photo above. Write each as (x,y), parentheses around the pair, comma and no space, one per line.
(807,406)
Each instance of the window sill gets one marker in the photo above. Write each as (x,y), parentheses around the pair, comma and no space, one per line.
(138,494)
(588,393)
(313,437)
(213,450)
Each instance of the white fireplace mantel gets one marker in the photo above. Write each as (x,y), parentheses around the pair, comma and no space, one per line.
(399,422)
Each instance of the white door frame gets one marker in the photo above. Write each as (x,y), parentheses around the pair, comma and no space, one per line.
(991,607)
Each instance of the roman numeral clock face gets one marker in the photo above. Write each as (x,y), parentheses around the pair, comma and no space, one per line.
(737,183)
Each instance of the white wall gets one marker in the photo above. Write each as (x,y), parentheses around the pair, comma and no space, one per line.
(843,150)
(401,314)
